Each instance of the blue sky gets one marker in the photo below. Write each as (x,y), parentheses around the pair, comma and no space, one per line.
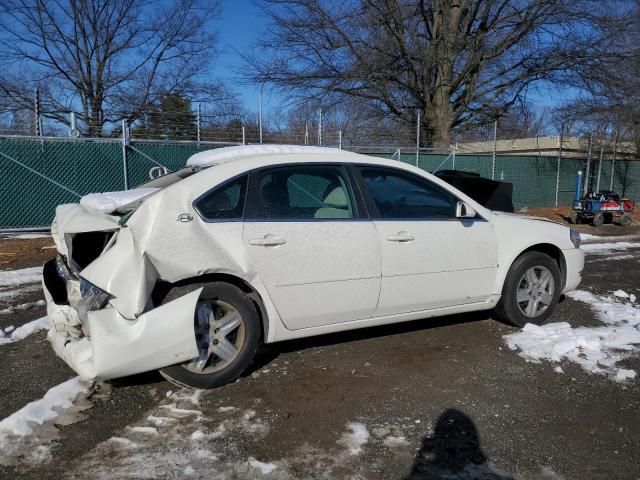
(240,25)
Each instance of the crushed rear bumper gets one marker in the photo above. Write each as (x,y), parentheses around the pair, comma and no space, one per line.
(103,344)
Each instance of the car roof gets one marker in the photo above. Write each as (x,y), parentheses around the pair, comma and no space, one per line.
(217,156)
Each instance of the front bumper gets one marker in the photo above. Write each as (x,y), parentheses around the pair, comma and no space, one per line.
(574,263)
(102,344)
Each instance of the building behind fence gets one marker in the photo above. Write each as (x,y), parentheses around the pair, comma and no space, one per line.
(39,173)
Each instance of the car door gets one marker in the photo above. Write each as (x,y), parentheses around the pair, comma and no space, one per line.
(307,239)
(430,258)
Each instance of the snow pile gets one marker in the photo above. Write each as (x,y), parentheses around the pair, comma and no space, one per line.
(27,236)
(595,349)
(356,438)
(11,334)
(224,154)
(108,202)
(27,432)
(10,278)
(22,306)
(603,248)
(264,468)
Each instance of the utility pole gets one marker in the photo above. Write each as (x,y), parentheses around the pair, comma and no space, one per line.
(417,140)
(495,147)
(320,128)
(260,113)
(586,173)
(613,162)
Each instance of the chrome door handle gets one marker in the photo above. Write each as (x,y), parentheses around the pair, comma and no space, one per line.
(267,241)
(401,237)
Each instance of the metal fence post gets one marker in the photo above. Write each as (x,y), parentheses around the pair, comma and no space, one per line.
(260,113)
(320,129)
(495,147)
(124,155)
(455,149)
(36,114)
(418,140)
(340,139)
(306,133)
(244,138)
(613,162)
(586,172)
(198,125)
(599,170)
(560,139)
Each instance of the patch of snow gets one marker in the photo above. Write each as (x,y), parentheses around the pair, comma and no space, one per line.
(28,236)
(198,435)
(23,276)
(226,409)
(621,294)
(25,330)
(8,294)
(595,349)
(603,248)
(265,468)
(588,238)
(393,442)
(108,202)
(46,409)
(356,438)
(225,154)
(145,430)
(22,306)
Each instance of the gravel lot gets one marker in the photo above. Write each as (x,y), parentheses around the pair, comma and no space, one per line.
(432,399)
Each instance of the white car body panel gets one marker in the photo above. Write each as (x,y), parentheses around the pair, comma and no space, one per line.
(325,273)
(448,263)
(350,276)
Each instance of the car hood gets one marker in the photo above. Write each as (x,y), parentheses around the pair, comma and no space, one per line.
(525,217)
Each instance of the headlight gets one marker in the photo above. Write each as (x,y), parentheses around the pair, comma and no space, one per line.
(575,237)
(93,297)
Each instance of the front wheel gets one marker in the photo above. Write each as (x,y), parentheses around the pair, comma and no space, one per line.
(227,331)
(531,290)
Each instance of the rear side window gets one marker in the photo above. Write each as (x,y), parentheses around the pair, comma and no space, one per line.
(302,192)
(225,202)
(404,196)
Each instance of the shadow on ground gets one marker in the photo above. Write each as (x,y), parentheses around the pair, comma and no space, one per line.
(452,452)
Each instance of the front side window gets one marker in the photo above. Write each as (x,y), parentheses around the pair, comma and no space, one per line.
(225,202)
(304,193)
(404,196)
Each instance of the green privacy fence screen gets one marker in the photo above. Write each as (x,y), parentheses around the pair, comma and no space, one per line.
(37,174)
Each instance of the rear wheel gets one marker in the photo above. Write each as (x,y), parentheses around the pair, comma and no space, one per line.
(227,330)
(531,290)
(598,220)
(573,218)
(624,220)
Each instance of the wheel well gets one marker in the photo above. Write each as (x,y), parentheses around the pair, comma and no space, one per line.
(162,290)
(555,253)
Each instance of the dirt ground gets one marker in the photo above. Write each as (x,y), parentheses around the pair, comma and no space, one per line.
(440,398)
(561,215)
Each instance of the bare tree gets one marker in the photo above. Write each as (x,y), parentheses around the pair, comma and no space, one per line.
(609,85)
(461,63)
(106,60)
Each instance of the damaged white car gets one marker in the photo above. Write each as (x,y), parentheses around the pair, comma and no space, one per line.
(190,273)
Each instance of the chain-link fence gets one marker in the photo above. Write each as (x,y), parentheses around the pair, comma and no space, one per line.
(39,173)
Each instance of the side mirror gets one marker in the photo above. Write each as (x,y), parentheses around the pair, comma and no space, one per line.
(464,210)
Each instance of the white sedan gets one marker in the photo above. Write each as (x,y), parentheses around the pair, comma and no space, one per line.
(191,272)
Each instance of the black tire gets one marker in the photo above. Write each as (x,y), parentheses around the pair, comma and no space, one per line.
(598,220)
(573,218)
(624,220)
(232,295)
(508,308)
